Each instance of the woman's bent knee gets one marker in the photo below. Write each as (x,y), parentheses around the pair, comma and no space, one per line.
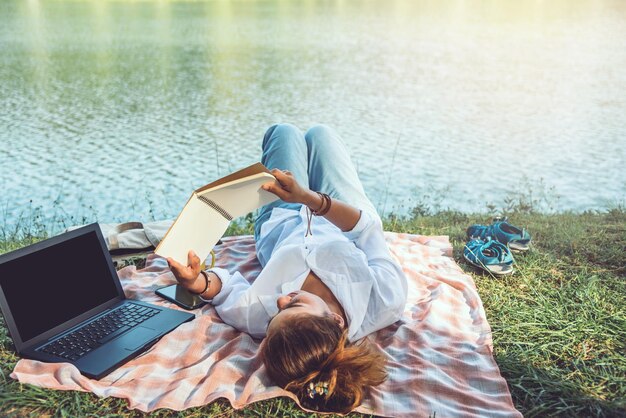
(318,133)
(280,130)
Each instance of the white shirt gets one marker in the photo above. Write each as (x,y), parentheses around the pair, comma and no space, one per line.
(356,266)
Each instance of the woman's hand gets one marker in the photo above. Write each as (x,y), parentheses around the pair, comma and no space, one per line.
(342,215)
(287,188)
(187,276)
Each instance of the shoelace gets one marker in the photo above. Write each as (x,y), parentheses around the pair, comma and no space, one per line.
(497,249)
(490,244)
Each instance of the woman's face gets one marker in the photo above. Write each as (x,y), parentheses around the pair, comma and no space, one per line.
(297,303)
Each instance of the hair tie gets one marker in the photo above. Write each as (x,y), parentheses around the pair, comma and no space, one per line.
(317,389)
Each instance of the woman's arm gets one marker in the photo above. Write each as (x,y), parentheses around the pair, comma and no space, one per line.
(236,302)
(191,279)
(342,215)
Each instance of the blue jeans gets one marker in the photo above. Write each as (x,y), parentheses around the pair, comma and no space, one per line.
(319,159)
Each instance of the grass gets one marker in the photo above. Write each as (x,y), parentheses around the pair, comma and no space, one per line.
(559,323)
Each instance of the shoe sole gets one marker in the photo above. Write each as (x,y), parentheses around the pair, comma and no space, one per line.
(485,268)
(514,246)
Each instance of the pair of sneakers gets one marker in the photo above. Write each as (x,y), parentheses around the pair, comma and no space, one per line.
(490,247)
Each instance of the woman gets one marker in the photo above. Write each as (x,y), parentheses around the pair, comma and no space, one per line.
(328,278)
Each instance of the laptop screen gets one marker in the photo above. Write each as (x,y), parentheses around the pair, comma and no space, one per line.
(53,285)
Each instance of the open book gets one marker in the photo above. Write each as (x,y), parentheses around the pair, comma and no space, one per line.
(209,210)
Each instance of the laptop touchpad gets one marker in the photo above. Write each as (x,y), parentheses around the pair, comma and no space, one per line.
(136,338)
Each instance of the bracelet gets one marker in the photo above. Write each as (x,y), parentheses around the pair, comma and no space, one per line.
(326,202)
(321,204)
(207,284)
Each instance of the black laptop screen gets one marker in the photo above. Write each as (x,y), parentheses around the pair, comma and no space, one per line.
(50,286)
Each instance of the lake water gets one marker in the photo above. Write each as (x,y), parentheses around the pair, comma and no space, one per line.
(118,110)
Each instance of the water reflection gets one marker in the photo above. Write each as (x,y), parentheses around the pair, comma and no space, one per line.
(127,106)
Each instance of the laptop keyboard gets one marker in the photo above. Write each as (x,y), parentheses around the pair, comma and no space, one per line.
(85,339)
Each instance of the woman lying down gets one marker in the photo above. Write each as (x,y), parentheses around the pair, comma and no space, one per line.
(328,278)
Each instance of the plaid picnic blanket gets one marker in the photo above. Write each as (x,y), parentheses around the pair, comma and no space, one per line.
(439,355)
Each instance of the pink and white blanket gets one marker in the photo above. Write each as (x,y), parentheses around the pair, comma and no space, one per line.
(440,353)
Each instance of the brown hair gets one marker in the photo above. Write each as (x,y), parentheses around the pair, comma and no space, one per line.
(313,349)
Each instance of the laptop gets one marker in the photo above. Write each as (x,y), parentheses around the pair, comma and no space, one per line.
(63,302)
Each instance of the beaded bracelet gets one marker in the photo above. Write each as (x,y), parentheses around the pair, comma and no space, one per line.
(206,286)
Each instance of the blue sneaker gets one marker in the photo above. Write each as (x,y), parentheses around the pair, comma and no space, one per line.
(515,238)
(489,255)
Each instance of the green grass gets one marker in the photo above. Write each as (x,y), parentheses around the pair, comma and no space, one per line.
(559,323)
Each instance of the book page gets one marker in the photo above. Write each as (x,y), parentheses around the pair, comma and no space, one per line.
(198,227)
(242,196)
(202,222)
